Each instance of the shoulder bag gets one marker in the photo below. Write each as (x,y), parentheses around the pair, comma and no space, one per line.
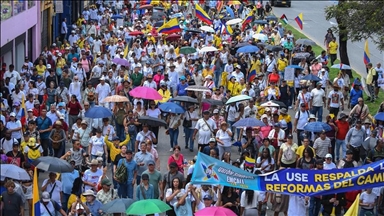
(121,172)
(212,132)
(187,123)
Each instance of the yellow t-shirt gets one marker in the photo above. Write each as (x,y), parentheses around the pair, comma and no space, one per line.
(207,72)
(80,21)
(301,149)
(233,88)
(287,118)
(281,64)
(40,70)
(60,63)
(333,47)
(113,150)
(165,94)
(72,199)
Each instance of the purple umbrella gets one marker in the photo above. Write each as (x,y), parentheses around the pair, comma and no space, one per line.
(120,61)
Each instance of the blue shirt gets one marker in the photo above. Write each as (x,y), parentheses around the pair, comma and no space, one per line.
(355,95)
(142,158)
(181,89)
(149,194)
(95,207)
(43,124)
(67,180)
(131,168)
(184,210)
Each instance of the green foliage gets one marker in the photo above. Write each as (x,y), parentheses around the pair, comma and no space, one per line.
(361,20)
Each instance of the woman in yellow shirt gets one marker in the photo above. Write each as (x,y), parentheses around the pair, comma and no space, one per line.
(207,71)
(282,63)
(233,86)
(41,68)
(60,62)
(164,92)
(114,146)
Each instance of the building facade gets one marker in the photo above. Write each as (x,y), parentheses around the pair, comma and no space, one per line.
(20,31)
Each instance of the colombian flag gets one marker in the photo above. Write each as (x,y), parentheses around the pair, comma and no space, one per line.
(201,14)
(172,26)
(247,20)
(252,73)
(354,209)
(35,196)
(145,2)
(366,53)
(249,162)
(299,20)
(23,119)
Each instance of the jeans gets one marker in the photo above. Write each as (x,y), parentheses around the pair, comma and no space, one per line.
(217,77)
(173,135)
(314,206)
(138,179)
(64,201)
(131,143)
(292,96)
(363,211)
(72,119)
(188,137)
(47,147)
(125,190)
(59,152)
(318,112)
(223,149)
(343,145)
(120,131)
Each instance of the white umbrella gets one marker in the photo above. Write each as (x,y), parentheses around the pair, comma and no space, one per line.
(208,49)
(233,21)
(197,88)
(341,66)
(207,29)
(261,37)
(269,104)
(13,172)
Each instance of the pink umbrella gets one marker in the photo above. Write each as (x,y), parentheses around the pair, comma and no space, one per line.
(215,211)
(145,93)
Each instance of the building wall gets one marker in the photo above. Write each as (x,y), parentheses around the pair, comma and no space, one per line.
(20,34)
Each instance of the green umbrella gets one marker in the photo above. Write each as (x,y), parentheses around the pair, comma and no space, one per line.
(148,206)
(187,50)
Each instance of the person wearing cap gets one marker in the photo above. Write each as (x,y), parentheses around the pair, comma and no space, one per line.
(211,146)
(335,100)
(318,101)
(301,119)
(237,73)
(92,203)
(14,126)
(92,175)
(328,163)
(359,111)
(106,194)
(54,187)
(322,145)
(206,128)
(181,86)
(58,139)
(155,179)
(342,130)
(217,118)
(145,190)
(15,156)
(164,92)
(354,139)
(102,91)
(125,189)
(137,77)
(355,94)
(287,155)
(49,206)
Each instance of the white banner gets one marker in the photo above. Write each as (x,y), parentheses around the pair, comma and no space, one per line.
(59,7)
(289,74)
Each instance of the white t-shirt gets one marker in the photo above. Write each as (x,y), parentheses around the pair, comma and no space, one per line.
(7,145)
(302,120)
(304,97)
(335,97)
(224,136)
(244,201)
(97,145)
(91,177)
(13,125)
(102,91)
(204,130)
(328,166)
(368,198)
(317,97)
(57,188)
(231,110)
(238,76)
(153,113)
(141,136)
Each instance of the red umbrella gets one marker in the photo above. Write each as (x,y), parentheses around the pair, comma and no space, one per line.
(148,6)
(173,37)
(136,33)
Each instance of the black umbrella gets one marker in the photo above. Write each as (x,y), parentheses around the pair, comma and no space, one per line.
(213,102)
(158,8)
(242,44)
(154,122)
(53,164)
(226,18)
(271,17)
(185,99)
(158,24)
(158,15)
(194,30)
(281,104)
(274,48)
(260,22)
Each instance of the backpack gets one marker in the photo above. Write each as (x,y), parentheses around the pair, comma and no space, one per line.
(289,154)
(121,172)
(120,116)
(132,129)
(34,152)
(298,115)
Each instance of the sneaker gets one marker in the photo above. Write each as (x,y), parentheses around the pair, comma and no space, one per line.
(171,149)
(290,107)
(186,147)
(191,150)
(183,135)
(154,146)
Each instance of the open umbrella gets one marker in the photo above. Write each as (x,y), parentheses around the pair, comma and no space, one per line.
(269,104)
(147,6)
(158,24)
(147,207)
(173,37)
(159,8)
(379,116)
(187,50)
(213,102)
(197,88)
(230,11)
(281,104)
(302,55)
(238,98)
(215,211)
(317,127)
(248,122)
(341,66)
(274,48)
(98,112)
(260,22)
(305,42)
(194,30)
(186,99)
(145,93)
(208,49)
(171,108)
(117,206)
(234,21)
(120,61)
(295,66)
(271,17)
(261,37)
(136,33)
(311,77)
(248,49)
(52,164)
(14,172)
(243,44)
(116,99)
(158,15)
(154,122)
(117,16)
(207,29)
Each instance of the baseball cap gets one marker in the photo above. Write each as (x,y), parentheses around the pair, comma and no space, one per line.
(151,162)
(289,136)
(212,140)
(45,196)
(215,111)
(106,182)
(173,165)
(349,151)
(328,156)
(207,197)
(145,176)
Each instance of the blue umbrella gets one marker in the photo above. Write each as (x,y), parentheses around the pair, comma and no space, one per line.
(248,49)
(117,206)
(171,108)
(295,66)
(341,67)
(311,77)
(379,116)
(248,122)
(261,22)
(230,11)
(117,17)
(98,112)
(317,127)
(120,61)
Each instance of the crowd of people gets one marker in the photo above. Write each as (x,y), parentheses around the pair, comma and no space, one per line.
(43,108)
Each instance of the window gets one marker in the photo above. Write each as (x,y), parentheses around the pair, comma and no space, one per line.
(6,10)
(31,3)
(18,6)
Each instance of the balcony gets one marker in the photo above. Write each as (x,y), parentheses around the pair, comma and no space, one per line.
(12,8)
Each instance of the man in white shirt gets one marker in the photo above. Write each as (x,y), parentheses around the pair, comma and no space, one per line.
(73,37)
(335,101)
(103,90)
(205,127)
(318,101)
(12,74)
(53,114)
(64,29)
(238,74)
(301,118)
(173,77)
(180,66)
(150,83)
(270,63)
(54,187)
(75,88)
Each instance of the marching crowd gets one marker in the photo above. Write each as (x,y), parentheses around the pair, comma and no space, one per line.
(43,107)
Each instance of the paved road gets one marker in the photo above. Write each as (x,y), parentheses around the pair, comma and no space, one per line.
(315,27)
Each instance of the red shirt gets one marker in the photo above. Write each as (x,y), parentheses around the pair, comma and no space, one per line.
(74,108)
(179,162)
(273,78)
(343,128)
